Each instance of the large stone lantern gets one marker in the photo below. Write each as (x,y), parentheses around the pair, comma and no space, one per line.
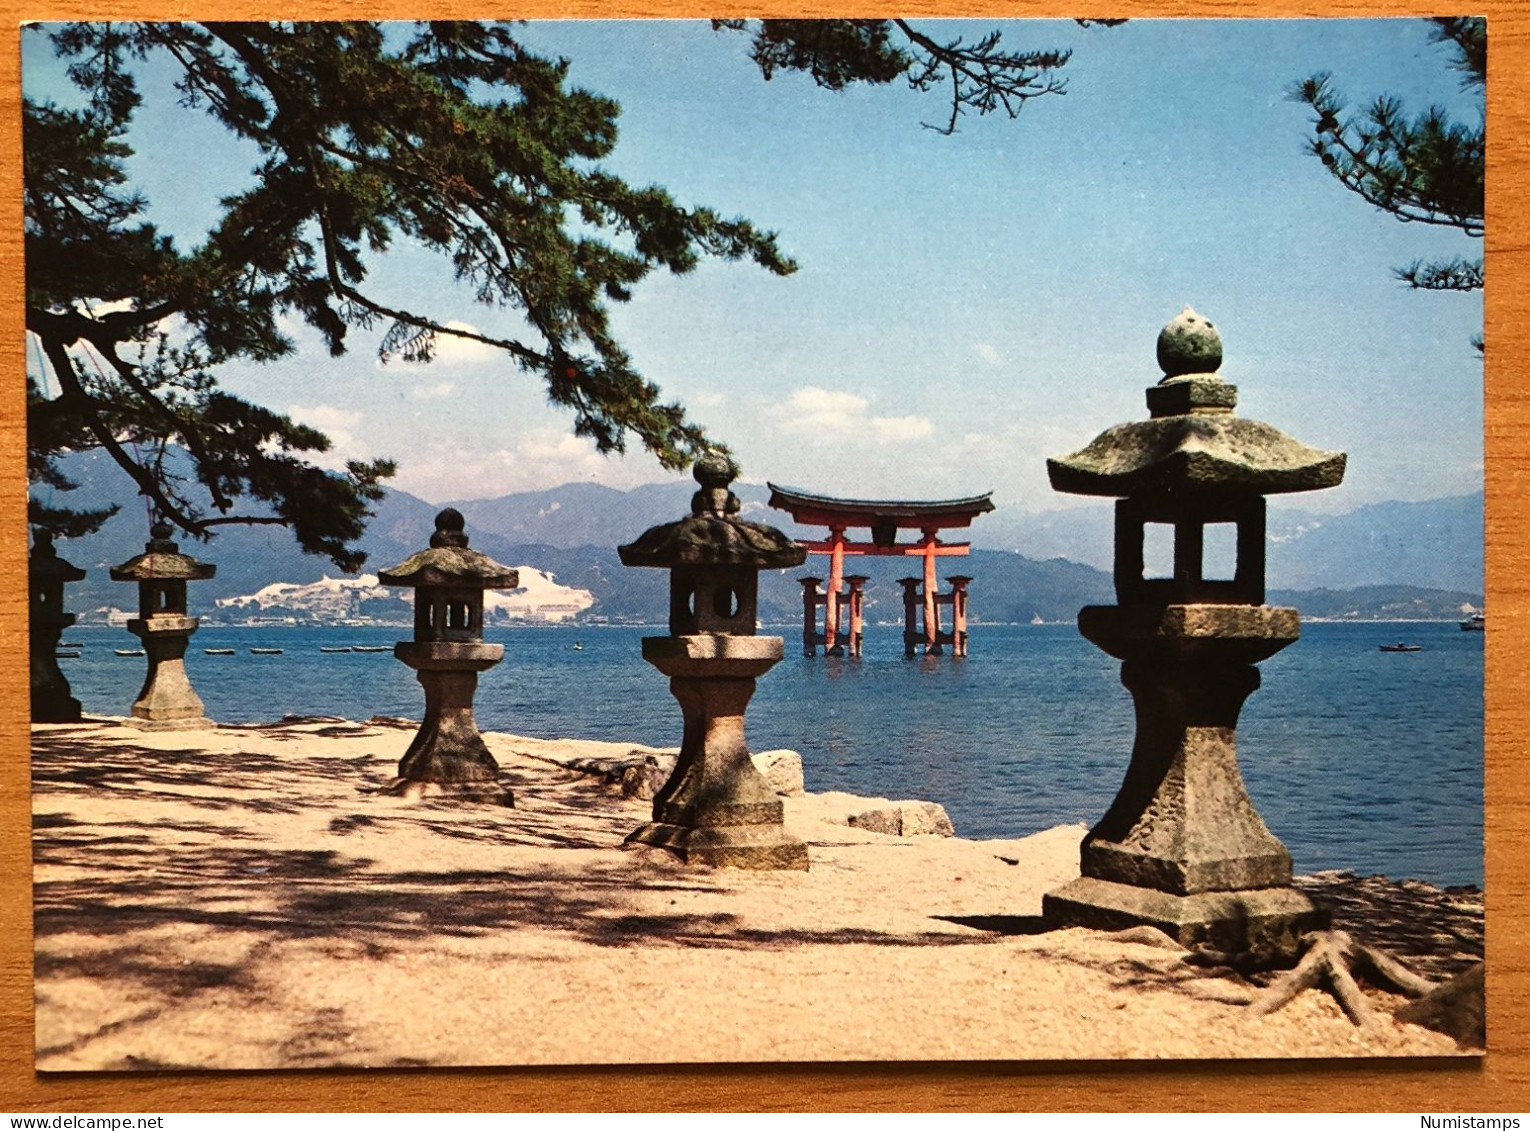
(1182,846)
(716,807)
(167,701)
(448,756)
(47,574)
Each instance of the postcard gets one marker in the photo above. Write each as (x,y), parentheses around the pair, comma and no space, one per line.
(680,542)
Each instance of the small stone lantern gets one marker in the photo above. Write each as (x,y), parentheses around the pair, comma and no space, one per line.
(47,574)
(167,701)
(1182,847)
(448,756)
(716,807)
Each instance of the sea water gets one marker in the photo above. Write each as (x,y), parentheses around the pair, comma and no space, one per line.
(1356,758)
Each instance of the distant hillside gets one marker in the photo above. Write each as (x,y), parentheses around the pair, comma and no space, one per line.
(1433,544)
(1436,544)
(1391,538)
(1380,602)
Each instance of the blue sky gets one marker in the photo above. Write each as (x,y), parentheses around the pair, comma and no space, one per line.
(966,305)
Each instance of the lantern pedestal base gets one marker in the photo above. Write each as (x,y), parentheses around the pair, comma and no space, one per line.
(55,706)
(764,847)
(51,698)
(1182,846)
(167,701)
(1263,920)
(717,808)
(448,758)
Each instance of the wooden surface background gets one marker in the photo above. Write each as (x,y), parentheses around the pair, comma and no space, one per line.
(1498,1082)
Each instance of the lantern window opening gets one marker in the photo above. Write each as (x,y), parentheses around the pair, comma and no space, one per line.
(1158,546)
(1219,552)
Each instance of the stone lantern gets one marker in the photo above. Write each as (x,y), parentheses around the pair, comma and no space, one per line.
(448,756)
(1182,847)
(47,574)
(716,807)
(167,701)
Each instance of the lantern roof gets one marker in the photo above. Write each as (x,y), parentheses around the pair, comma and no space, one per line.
(450,562)
(1193,441)
(713,534)
(162,561)
(44,564)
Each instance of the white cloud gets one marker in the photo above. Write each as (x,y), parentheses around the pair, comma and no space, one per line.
(538,459)
(345,429)
(451,350)
(988,353)
(823,412)
(432,392)
(813,409)
(900,429)
(339,424)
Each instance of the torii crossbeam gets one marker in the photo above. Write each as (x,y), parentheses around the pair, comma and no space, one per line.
(883,518)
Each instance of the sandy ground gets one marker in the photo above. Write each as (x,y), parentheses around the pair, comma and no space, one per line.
(245,898)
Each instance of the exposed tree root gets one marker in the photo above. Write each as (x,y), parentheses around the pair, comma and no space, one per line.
(1331,960)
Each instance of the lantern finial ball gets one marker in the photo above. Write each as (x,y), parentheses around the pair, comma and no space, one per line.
(1189,344)
(161,531)
(42,541)
(450,529)
(715,469)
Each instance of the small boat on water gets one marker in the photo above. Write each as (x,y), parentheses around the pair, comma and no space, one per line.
(578,647)
(1474,623)
(1400,647)
(128,651)
(322,648)
(66,655)
(218,651)
(372,648)
(265,651)
(70,644)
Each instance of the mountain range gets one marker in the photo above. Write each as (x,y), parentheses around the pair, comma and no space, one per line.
(1406,555)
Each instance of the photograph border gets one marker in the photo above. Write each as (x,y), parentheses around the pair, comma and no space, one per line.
(1498,1081)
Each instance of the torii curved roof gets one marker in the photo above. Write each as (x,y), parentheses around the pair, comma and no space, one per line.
(817,510)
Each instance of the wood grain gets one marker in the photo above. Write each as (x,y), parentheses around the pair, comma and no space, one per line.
(1500,1081)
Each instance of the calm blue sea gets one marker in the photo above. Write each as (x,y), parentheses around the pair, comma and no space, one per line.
(1357,759)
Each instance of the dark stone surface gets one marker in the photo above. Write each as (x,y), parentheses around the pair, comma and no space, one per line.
(1189,344)
(1176,396)
(717,808)
(712,534)
(51,700)
(162,561)
(449,562)
(167,701)
(1458,1008)
(447,752)
(709,539)
(1182,821)
(1268,921)
(1195,452)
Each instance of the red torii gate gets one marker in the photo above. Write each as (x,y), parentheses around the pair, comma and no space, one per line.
(883,519)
